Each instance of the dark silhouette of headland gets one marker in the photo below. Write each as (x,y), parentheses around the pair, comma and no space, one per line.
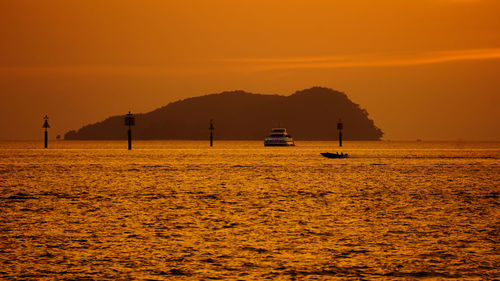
(310,114)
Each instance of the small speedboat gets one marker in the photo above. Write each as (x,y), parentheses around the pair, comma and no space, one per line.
(334,155)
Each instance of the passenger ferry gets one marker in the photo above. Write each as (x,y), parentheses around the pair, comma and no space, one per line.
(279,137)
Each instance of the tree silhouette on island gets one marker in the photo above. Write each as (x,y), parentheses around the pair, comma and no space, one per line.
(310,114)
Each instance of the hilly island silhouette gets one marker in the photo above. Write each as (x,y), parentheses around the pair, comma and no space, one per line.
(310,114)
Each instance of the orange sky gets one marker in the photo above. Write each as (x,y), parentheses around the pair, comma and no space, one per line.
(423,68)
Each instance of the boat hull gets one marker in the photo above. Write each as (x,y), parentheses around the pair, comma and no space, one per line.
(334,155)
(279,144)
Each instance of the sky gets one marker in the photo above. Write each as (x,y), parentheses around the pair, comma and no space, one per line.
(423,69)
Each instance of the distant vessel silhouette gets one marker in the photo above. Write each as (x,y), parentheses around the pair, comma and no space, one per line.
(279,137)
(334,155)
(340,127)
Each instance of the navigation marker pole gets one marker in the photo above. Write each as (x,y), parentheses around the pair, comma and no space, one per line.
(129,121)
(340,126)
(211,132)
(46,126)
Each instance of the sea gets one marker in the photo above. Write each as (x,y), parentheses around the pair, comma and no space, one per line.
(181,210)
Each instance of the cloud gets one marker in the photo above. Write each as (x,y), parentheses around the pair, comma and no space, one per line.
(264,64)
(362,60)
(96,69)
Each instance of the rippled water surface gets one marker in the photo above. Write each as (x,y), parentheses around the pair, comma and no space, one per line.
(181,210)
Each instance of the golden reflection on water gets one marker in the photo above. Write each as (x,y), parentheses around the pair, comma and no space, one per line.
(182,210)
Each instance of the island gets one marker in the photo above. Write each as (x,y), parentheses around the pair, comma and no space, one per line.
(310,114)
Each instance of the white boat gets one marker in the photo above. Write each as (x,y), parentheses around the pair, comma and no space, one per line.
(279,137)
